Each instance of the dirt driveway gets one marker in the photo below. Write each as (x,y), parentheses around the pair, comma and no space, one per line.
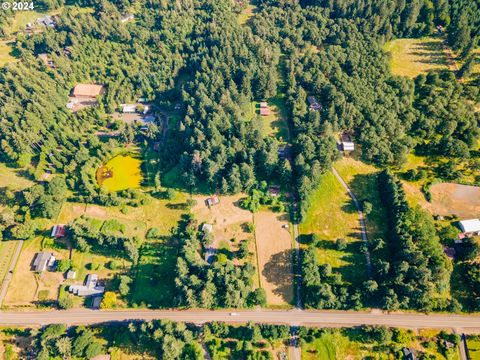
(455,199)
(274,246)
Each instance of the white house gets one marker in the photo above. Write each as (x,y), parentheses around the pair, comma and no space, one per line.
(128,108)
(470,227)
(90,288)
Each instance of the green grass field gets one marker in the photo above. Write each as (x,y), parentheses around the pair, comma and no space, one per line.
(11,177)
(473,344)
(5,57)
(412,57)
(331,216)
(125,173)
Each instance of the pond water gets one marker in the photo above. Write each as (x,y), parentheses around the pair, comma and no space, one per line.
(120,173)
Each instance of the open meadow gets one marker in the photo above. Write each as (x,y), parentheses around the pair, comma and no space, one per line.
(412,57)
(274,246)
(246,14)
(120,173)
(13,178)
(332,216)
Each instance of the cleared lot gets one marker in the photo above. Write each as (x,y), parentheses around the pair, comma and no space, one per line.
(455,199)
(274,245)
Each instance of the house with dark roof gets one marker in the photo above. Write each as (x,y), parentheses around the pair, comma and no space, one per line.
(314,105)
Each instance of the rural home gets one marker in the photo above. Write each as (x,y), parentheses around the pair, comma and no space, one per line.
(274,190)
(314,105)
(263,105)
(211,201)
(470,227)
(90,288)
(43,260)
(87,90)
(48,21)
(58,231)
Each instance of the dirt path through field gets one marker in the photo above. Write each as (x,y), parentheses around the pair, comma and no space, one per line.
(274,245)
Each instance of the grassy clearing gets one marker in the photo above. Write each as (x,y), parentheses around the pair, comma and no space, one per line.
(246,14)
(473,344)
(13,178)
(332,216)
(332,346)
(120,173)
(412,57)
(274,124)
(362,179)
(5,50)
(7,249)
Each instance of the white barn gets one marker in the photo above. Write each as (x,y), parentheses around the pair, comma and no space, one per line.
(470,227)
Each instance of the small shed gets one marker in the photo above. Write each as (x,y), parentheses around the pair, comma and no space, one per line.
(58,231)
(211,201)
(71,274)
(348,146)
(274,190)
(264,111)
(207,228)
(263,105)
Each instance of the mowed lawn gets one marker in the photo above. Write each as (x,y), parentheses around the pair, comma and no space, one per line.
(7,248)
(412,57)
(333,346)
(332,216)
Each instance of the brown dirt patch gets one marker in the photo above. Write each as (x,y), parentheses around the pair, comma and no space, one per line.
(95,211)
(456,199)
(227,218)
(274,246)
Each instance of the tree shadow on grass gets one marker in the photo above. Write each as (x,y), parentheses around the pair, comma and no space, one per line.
(279,272)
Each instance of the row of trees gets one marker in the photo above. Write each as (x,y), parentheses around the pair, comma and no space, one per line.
(409,266)
(221,284)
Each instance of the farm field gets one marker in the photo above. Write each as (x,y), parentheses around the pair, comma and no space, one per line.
(120,173)
(274,245)
(412,57)
(332,216)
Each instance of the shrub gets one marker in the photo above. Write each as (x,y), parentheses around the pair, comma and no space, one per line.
(63,265)
(114,265)
(341,244)
(109,300)
(153,233)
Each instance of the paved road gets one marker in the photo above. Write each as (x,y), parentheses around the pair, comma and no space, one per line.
(9,275)
(290,317)
(361,217)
